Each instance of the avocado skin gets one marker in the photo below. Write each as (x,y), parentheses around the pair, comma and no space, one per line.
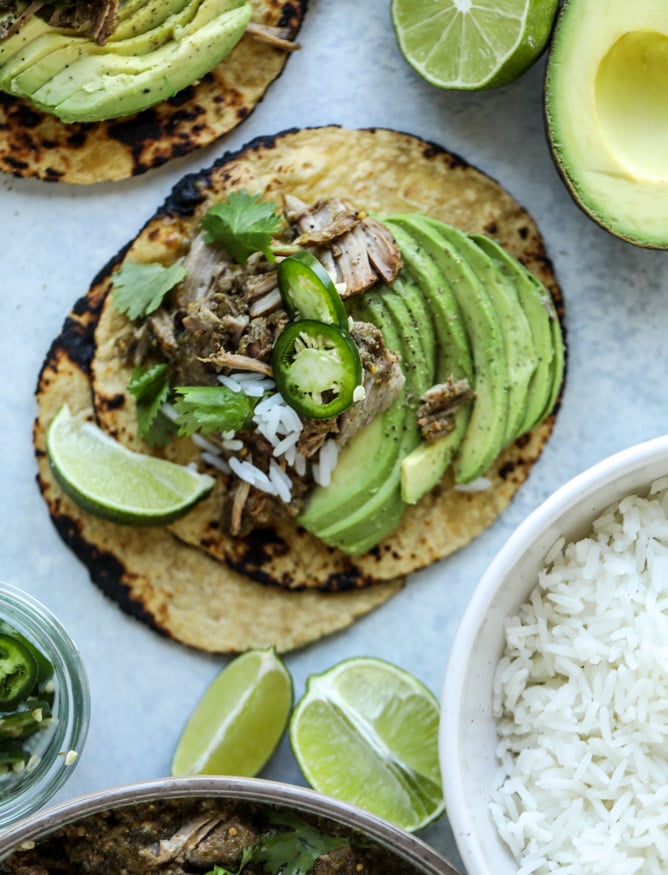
(625,198)
(167,48)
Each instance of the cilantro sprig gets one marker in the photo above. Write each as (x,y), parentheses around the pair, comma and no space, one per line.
(290,846)
(242,225)
(139,289)
(208,409)
(150,387)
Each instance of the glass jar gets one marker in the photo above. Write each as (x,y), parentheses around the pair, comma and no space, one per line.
(54,750)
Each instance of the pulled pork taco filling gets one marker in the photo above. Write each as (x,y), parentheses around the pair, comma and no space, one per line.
(219,328)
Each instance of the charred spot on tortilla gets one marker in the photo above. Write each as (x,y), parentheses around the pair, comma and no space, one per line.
(38,145)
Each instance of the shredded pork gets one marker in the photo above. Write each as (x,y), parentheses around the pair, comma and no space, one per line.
(223,318)
(355,248)
(438,406)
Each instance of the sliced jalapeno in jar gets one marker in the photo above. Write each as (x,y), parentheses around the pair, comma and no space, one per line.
(308,291)
(18,672)
(316,368)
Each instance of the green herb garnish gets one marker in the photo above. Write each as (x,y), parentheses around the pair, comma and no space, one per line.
(291,850)
(242,225)
(208,409)
(150,386)
(139,289)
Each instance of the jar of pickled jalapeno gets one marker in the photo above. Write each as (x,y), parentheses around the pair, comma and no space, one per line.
(44,704)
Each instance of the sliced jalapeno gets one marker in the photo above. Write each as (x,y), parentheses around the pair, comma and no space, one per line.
(308,291)
(316,368)
(18,672)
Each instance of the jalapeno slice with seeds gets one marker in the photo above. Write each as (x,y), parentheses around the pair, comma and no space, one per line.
(308,291)
(316,367)
(18,672)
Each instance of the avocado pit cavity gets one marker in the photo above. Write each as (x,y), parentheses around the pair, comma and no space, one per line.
(631,98)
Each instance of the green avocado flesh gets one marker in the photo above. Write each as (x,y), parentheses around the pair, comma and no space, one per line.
(606,108)
(461,308)
(158,48)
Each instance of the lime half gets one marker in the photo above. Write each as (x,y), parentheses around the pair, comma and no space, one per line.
(113,482)
(240,719)
(366,732)
(472,44)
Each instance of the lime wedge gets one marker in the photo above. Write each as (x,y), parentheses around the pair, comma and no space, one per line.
(366,732)
(240,719)
(472,44)
(113,482)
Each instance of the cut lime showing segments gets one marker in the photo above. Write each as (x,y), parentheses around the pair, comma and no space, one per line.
(472,44)
(366,732)
(113,482)
(240,719)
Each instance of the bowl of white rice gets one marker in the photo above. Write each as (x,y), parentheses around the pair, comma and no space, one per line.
(554,728)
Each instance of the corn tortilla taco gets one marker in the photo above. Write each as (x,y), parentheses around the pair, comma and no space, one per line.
(35,142)
(357,180)
(177,590)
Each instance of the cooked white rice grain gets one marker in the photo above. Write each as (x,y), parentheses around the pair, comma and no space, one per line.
(230,383)
(280,481)
(206,445)
(252,474)
(581,702)
(216,461)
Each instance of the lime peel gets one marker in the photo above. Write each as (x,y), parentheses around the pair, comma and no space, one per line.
(366,732)
(111,481)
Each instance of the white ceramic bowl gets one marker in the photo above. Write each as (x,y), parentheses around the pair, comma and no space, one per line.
(468,730)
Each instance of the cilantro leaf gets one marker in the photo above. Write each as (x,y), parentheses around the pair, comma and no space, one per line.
(150,387)
(246,855)
(138,289)
(295,850)
(211,408)
(242,225)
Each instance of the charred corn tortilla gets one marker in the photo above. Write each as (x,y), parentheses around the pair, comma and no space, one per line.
(382,171)
(35,144)
(176,589)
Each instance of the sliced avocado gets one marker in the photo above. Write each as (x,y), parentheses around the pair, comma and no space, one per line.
(513,324)
(425,466)
(122,85)
(381,513)
(126,76)
(33,41)
(140,16)
(366,462)
(485,434)
(605,109)
(545,329)
(53,54)
(50,49)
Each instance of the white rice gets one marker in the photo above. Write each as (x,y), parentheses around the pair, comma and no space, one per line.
(581,701)
(281,425)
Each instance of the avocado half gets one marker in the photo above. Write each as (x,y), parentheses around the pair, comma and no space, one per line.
(606,106)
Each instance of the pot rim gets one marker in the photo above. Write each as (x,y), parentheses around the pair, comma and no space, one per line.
(406,845)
